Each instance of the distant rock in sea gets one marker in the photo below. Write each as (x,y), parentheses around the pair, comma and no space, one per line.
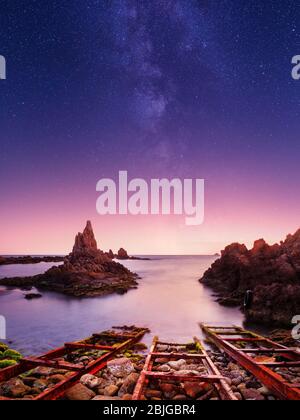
(86,272)
(272,273)
(122,254)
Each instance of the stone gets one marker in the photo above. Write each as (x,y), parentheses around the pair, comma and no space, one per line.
(129,384)
(180,397)
(177,364)
(127,397)
(237,381)
(14,388)
(238,396)
(111,390)
(252,394)
(194,389)
(206,396)
(29,380)
(90,381)
(163,368)
(153,393)
(264,391)
(41,384)
(120,368)
(56,379)
(79,392)
(42,371)
(169,390)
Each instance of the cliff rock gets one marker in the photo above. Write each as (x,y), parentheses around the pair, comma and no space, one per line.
(271,272)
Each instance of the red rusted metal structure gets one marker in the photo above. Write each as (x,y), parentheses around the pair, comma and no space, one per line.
(259,355)
(213,375)
(120,339)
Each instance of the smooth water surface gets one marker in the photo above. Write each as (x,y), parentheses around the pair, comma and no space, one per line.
(169,300)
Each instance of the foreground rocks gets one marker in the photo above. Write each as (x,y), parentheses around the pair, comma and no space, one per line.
(244,385)
(116,382)
(86,272)
(271,272)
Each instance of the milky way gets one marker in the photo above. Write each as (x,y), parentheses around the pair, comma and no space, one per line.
(159,88)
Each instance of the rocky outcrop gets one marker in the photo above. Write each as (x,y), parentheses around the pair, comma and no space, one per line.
(271,272)
(86,272)
(110,254)
(122,254)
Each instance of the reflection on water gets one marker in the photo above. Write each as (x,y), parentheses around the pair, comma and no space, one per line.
(169,300)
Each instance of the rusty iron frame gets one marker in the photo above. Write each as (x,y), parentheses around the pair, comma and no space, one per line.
(261,370)
(58,391)
(213,375)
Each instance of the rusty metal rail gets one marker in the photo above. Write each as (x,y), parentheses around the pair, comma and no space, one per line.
(50,359)
(258,355)
(213,375)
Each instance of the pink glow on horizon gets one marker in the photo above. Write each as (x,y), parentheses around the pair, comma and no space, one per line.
(50,226)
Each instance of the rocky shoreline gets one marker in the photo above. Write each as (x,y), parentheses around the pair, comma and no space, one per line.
(270,273)
(86,272)
(28,259)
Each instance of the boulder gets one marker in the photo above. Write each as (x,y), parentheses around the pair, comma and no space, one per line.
(90,381)
(252,394)
(14,388)
(195,390)
(120,368)
(79,392)
(177,364)
(272,273)
(129,384)
(122,254)
(111,390)
(170,390)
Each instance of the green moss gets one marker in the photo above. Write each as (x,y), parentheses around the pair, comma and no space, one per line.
(7,363)
(12,354)
(3,347)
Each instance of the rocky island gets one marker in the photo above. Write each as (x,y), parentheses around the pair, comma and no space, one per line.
(86,272)
(271,273)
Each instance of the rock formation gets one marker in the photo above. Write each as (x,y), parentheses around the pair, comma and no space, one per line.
(110,254)
(271,272)
(87,271)
(122,254)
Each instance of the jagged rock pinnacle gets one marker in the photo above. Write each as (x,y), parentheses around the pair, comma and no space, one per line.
(85,242)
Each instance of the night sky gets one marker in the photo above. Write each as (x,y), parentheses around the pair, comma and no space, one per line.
(198,88)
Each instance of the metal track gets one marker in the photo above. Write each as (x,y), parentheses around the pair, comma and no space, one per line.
(257,354)
(123,341)
(213,375)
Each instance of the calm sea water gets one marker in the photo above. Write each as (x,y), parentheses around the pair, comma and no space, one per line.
(170,301)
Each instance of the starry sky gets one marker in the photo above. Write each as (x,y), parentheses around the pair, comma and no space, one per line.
(173,88)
